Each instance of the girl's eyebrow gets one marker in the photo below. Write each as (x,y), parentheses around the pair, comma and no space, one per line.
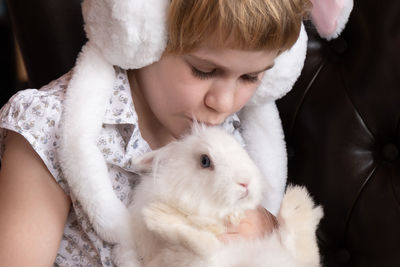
(265,69)
(215,65)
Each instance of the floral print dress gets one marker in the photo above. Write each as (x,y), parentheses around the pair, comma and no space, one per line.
(36,115)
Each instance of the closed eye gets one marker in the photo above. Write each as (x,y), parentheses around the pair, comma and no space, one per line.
(250,78)
(203,74)
(210,74)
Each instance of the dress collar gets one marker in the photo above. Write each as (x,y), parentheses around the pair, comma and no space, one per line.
(120,108)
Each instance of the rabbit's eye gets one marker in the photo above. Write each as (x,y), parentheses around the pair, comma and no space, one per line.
(205,161)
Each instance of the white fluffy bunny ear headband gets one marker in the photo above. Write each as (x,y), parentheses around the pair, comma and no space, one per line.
(132,34)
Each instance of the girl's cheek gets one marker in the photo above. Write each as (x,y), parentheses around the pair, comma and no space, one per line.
(245,95)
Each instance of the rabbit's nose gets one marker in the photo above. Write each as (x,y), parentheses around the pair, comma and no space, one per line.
(244,185)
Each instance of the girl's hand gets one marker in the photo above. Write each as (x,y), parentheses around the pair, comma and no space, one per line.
(257,223)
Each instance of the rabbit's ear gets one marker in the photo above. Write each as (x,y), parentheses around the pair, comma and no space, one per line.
(148,162)
(144,164)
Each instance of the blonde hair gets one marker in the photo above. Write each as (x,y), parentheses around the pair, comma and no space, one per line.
(239,24)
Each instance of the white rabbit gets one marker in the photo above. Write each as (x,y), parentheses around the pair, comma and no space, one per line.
(191,189)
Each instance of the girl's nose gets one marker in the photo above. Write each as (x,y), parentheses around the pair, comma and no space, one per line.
(221,97)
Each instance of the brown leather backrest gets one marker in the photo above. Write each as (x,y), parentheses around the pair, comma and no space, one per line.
(50,36)
(342,126)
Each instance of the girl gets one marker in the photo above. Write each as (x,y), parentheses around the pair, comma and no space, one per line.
(216,55)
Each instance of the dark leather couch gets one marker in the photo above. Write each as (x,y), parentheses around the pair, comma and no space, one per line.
(342,126)
(342,120)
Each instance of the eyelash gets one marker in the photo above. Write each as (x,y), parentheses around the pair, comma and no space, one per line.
(206,75)
(203,75)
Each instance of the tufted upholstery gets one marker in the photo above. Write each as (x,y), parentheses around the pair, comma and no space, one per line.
(341,120)
(342,126)
(50,35)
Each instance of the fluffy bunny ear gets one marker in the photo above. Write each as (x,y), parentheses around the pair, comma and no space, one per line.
(330,16)
(129,33)
(281,78)
(262,129)
(260,118)
(126,33)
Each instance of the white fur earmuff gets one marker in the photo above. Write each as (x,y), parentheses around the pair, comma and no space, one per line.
(132,34)
(129,33)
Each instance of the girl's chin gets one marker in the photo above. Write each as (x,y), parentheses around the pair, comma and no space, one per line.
(183,132)
(180,127)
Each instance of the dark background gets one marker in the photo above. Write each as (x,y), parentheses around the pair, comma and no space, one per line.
(9,81)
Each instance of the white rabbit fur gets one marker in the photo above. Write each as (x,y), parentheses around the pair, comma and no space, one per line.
(180,207)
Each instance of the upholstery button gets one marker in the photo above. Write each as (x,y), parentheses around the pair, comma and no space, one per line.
(390,152)
(290,152)
(342,256)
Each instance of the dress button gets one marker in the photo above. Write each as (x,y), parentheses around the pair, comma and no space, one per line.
(342,256)
(390,152)
(236,124)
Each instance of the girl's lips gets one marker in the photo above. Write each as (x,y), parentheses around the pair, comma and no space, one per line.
(209,124)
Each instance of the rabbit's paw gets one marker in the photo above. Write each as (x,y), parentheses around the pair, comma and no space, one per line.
(298,210)
(176,229)
(298,220)
(125,256)
(202,243)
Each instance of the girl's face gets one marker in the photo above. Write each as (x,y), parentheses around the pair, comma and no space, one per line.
(208,84)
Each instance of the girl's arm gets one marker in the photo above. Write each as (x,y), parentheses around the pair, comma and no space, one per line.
(33,207)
